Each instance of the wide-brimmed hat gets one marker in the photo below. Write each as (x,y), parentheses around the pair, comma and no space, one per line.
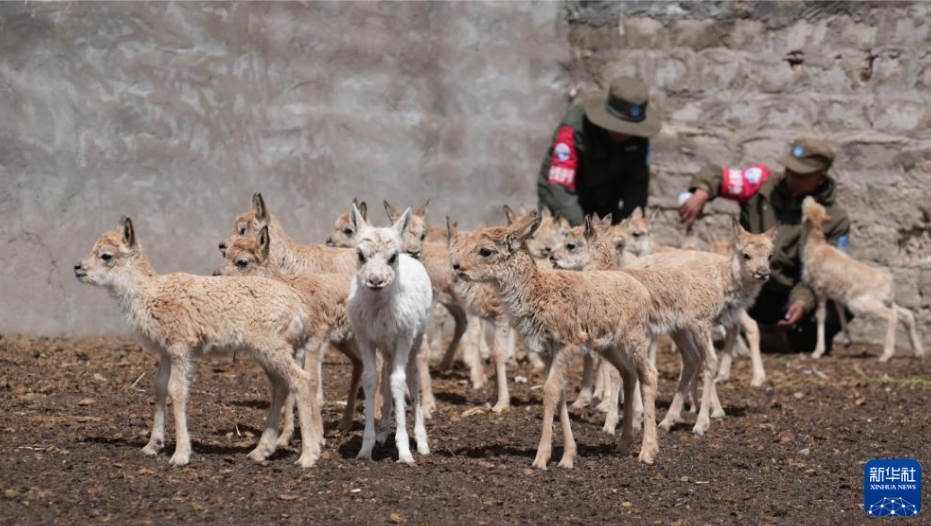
(624,109)
(808,155)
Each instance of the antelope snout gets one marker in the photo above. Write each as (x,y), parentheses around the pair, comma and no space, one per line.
(761,275)
(376,282)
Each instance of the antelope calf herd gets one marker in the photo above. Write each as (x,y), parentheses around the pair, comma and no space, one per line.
(600,292)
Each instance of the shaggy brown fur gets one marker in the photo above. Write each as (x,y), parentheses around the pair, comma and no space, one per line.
(182,315)
(344,232)
(690,292)
(291,258)
(324,296)
(836,276)
(565,314)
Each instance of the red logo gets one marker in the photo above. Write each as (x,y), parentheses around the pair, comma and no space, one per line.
(741,185)
(565,159)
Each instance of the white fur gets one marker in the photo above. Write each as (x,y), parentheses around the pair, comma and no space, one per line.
(389,305)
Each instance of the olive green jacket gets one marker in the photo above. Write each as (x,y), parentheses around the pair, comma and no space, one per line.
(596,173)
(772,203)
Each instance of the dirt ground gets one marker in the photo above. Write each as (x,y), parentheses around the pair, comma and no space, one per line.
(76,413)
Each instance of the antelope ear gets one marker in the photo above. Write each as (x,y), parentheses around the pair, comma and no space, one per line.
(129,233)
(547,212)
(363,208)
(264,242)
(258,205)
(637,214)
(562,224)
(358,218)
(509,215)
(606,220)
(393,213)
(422,210)
(771,233)
(400,226)
(522,230)
(738,229)
(589,228)
(451,231)
(653,214)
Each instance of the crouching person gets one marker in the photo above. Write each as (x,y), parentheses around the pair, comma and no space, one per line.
(786,304)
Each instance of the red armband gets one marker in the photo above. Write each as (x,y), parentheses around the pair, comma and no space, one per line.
(740,185)
(565,159)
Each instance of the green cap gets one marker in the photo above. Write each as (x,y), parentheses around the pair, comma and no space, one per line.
(807,155)
(624,109)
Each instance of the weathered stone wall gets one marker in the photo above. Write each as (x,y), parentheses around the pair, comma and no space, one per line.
(174,113)
(738,80)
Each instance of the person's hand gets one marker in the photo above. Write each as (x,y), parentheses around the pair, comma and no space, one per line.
(793,315)
(691,209)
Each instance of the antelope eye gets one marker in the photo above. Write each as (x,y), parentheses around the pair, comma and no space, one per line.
(106,257)
(393,258)
(484,252)
(571,246)
(636,234)
(423,236)
(241,264)
(242,231)
(347,232)
(747,257)
(546,251)
(361,256)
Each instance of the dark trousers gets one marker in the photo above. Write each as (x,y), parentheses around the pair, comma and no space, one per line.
(770,308)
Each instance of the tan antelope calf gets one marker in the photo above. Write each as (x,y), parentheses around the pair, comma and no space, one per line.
(182,315)
(748,326)
(294,259)
(686,302)
(636,236)
(550,234)
(290,257)
(834,275)
(344,233)
(324,296)
(737,279)
(564,314)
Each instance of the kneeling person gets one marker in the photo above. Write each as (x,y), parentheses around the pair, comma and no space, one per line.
(765,198)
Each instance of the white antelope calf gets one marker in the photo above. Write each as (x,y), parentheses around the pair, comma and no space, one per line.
(389,305)
(565,314)
(435,261)
(181,315)
(836,276)
(325,297)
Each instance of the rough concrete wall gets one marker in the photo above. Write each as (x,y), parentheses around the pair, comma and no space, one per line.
(174,113)
(737,81)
